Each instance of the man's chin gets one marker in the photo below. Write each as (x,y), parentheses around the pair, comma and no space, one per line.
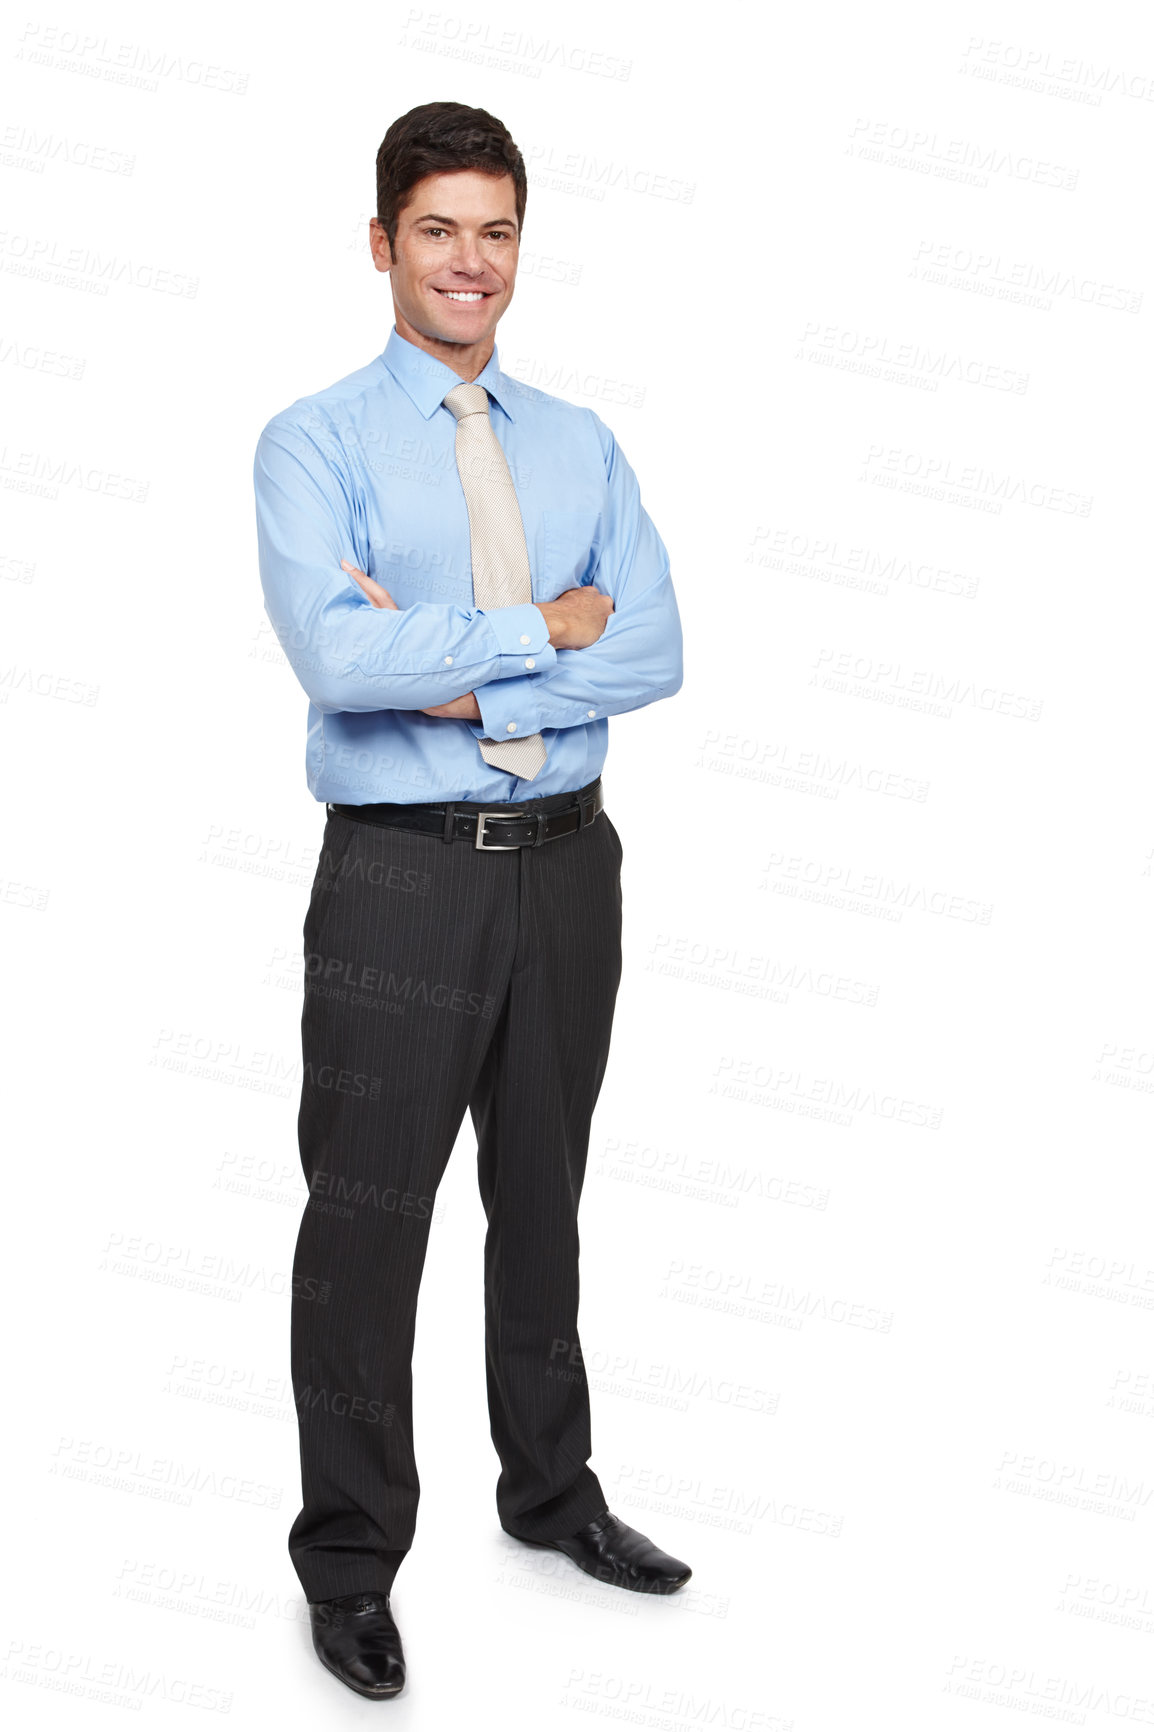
(458,331)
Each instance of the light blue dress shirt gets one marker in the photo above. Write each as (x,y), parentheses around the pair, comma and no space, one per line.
(366,471)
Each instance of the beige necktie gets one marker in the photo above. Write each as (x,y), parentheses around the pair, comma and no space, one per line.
(497,545)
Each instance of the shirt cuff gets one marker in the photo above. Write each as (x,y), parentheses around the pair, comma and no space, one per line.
(522,639)
(504,701)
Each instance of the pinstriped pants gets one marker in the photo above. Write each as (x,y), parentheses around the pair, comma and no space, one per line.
(439,977)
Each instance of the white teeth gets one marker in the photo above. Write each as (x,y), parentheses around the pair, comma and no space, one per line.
(461,295)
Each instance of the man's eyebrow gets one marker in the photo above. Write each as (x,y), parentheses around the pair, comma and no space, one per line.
(451,222)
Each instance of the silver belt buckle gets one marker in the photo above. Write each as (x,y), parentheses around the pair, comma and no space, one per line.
(495,847)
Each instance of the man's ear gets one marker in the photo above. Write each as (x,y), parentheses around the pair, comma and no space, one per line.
(379,246)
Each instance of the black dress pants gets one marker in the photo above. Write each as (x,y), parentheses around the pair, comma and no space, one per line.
(438,977)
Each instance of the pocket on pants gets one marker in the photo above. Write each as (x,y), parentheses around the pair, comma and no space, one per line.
(326,883)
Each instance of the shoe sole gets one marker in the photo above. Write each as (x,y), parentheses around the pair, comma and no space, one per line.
(613,1579)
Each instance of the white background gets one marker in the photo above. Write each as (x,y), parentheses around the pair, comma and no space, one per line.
(867,1266)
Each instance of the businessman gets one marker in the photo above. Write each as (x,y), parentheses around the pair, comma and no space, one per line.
(463,577)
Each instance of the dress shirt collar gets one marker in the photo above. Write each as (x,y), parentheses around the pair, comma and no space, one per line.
(427,380)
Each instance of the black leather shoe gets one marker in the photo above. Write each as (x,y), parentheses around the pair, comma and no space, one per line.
(356,1639)
(612,1551)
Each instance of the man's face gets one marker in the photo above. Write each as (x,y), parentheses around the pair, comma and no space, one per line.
(455,259)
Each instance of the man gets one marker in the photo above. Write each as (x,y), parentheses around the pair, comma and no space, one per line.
(463,577)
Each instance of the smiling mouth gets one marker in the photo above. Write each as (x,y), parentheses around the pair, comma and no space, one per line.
(465,297)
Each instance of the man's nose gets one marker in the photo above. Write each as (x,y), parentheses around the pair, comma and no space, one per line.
(466,257)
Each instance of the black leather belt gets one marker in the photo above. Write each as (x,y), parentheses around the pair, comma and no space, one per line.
(491,828)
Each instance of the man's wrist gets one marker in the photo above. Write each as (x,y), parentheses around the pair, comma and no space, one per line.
(521,638)
(509,709)
(554,618)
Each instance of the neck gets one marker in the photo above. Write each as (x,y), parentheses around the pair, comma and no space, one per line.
(465,359)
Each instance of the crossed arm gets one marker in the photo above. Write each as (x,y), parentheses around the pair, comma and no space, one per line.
(575,620)
(610,646)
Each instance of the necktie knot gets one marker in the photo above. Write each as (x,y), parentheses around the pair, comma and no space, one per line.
(467,399)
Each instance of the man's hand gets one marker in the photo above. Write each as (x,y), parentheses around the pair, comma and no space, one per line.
(466,707)
(577,618)
(378,596)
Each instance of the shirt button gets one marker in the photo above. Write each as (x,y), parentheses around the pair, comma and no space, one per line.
(525,637)
(530,663)
(510,727)
(448,660)
(590,712)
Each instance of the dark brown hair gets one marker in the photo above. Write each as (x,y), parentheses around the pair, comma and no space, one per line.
(436,138)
